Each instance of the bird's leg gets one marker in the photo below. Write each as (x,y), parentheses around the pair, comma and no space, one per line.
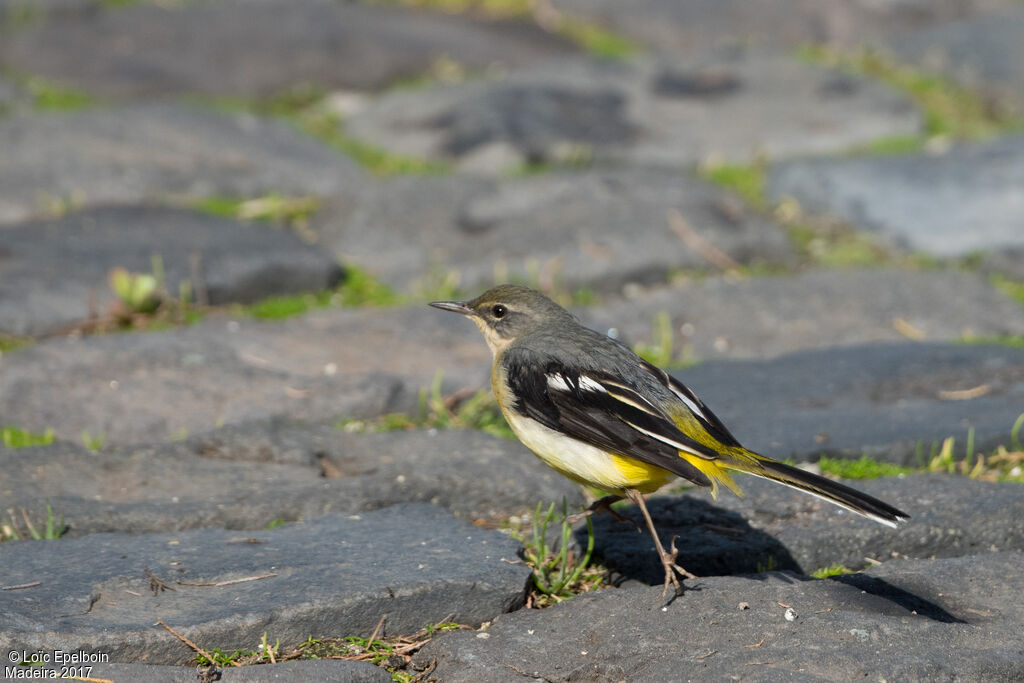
(668,559)
(602,505)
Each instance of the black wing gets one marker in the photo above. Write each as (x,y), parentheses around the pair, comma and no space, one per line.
(696,406)
(601,409)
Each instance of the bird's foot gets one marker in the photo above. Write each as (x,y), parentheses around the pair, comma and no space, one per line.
(602,505)
(673,572)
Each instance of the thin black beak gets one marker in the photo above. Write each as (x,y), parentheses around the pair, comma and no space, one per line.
(453,306)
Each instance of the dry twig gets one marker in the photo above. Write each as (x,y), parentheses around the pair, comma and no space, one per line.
(188,642)
(693,240)
(376,631)
(229,582)
(155,584)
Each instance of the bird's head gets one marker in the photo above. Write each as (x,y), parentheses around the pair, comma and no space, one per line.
(508,312)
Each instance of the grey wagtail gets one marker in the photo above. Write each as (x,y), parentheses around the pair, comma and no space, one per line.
(596,412)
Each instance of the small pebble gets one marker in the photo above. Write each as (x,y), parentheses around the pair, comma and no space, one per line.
(790,614)
(744,605)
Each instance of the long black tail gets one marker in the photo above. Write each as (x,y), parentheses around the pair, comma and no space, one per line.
(823,488)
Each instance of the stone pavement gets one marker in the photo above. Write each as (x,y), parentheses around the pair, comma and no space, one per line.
(234,491)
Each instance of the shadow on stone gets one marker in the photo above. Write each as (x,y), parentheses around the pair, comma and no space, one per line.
(712,541)
(715,541)
(910,602)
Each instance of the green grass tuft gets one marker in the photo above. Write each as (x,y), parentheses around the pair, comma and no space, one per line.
(13,437)
(746,180)
(864,468)
(304,106)
(589,36)
(479,411)
(1010,341)
(847,249)
(557,573)
(10,343)
(949,110)
(832,570)
(93,443)
(662,352)
(893,145)
(360,288)
(316,120)
(596,39)
(281,307)
(1011,288)
(10,529)
(271,208)
(49,96)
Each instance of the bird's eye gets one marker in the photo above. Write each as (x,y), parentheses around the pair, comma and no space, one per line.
(498,311)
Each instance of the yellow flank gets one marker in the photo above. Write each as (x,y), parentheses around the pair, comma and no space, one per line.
(641,476)
(715,472)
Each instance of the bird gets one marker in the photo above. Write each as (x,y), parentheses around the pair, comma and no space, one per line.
(596,412)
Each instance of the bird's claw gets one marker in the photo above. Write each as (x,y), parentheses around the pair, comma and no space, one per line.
(668,561)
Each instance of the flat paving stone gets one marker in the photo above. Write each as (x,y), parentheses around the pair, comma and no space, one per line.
(598,229)
(668,113)
(311,671)
(943,619)
(278,471)
(54,273)
(327,670)
(332,577)
(980,51)
(701,24)
(773,526)
(155,386)
(766,316)
(135,153)
(967,200)
(253,49)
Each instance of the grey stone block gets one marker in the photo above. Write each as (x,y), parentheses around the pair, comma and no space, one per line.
(963,201)
(333,576)
(278,471)
(911,620)
(251,49)
(131,154)
(599,229)
(145,388)
(768,316)
(54,273)
(775,107)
